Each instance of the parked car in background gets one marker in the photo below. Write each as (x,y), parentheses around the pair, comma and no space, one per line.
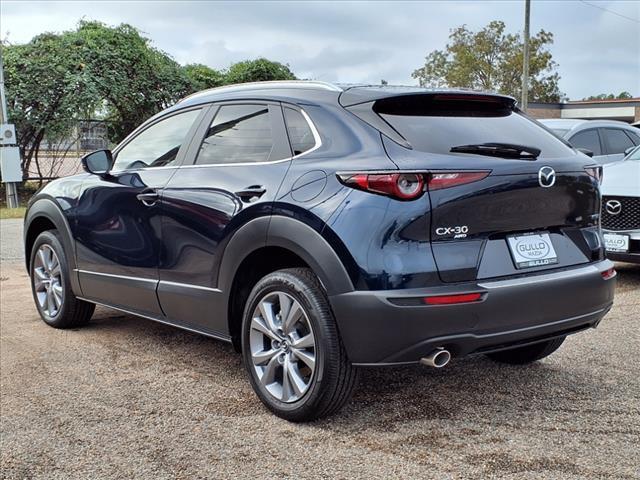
(320,229)
(621,208)
(607,139)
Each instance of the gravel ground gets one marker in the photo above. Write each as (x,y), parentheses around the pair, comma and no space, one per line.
(130,398)
(12,249)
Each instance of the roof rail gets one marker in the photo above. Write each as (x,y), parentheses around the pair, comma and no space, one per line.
(274,84)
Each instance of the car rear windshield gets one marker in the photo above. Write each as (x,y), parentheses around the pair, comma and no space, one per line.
(437,123)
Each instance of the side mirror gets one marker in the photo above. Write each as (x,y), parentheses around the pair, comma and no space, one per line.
(629,150)
(586,151)
(98,162)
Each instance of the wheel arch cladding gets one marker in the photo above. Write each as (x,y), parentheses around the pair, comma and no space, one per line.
(288,243)
(44,214)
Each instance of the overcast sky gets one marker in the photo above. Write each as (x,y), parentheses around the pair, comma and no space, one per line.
(598,51)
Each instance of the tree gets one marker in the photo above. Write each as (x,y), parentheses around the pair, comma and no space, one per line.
(100,71)
(491,60)
(57,79)
(48,87)
(134,79)
(258,70)
(611,96)
(203,77)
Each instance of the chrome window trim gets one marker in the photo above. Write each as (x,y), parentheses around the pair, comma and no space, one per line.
(314,132)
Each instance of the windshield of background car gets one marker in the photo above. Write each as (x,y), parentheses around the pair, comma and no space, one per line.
(635,155)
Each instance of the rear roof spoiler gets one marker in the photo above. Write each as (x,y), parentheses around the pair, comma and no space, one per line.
(356,95)
(361,101)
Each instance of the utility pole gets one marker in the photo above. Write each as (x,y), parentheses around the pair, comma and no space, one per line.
(9,153)
(525,57)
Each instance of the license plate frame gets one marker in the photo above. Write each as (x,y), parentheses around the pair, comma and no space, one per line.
(530,250)
(616,242)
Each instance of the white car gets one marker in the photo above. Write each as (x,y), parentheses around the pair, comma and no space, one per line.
(606,140)
(621,208)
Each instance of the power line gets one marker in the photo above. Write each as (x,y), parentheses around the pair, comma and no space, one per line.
(610,11)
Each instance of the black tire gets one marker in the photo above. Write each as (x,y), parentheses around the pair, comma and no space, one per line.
(527,354)
(72,312)
(332,382)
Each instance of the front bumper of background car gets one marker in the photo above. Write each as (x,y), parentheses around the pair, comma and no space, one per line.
(633,255)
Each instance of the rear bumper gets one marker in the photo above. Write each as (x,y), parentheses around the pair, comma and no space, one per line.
(392,327)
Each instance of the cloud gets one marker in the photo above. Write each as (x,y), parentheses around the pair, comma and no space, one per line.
(597,51)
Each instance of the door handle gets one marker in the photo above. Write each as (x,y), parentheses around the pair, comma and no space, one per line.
(149,199)
(254,191)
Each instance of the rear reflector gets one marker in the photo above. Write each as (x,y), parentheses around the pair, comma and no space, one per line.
(607,274)
(452,299)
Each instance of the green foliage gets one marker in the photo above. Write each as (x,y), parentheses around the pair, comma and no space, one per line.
(203,77)
(491,60)
(112,72)
(610,96)
(47,88)
(259,70)
(134,79)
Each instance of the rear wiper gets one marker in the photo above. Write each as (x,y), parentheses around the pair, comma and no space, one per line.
(503,150)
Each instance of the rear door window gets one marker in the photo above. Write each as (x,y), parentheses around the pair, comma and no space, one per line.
(616,140)
(238,134)
(437,125)
(589,139)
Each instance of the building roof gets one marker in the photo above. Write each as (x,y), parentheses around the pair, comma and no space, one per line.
(614,100)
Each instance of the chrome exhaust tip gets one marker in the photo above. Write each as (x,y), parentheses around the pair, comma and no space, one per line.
(437,359)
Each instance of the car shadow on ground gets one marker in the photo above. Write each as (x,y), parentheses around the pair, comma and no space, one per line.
(473,389)
(470,389)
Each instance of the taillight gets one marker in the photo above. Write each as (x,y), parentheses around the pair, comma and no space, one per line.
(403,186)
(408,185)
(438,181)
(595,172)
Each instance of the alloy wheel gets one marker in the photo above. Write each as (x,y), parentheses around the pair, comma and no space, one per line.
(283,346)
(47,281)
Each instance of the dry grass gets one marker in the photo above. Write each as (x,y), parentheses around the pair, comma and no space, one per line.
(12,212)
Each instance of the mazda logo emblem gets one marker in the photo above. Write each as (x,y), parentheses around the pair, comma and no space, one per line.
(613,207)
(546,177)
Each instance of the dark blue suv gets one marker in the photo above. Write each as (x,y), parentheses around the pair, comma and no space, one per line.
(321,229)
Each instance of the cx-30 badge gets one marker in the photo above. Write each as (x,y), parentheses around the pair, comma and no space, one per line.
(613,207)
(546,177)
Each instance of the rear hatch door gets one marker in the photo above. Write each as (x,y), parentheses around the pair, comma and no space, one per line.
(536,207)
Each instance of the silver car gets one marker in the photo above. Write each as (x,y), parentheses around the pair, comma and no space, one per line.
(621,208)
(607,139)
